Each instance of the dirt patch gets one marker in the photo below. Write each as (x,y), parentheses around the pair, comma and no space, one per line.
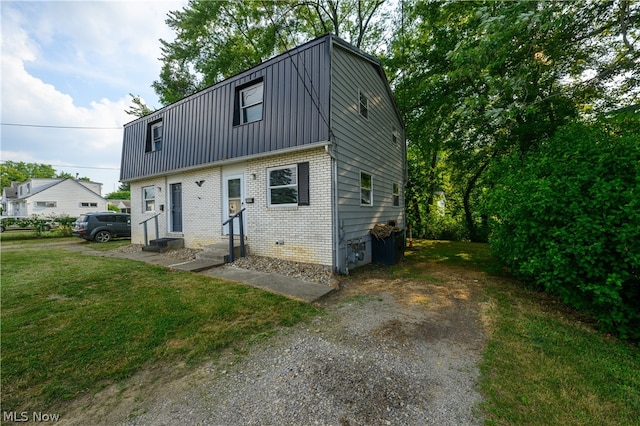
(387,351)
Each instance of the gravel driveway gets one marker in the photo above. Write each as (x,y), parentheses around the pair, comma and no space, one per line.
(385,352)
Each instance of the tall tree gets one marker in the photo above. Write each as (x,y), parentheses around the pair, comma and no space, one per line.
(18,171)
(482,79)
(217,39)
(138,108)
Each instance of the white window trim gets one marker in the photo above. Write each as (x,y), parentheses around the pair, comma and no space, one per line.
(243,107)
(395,189)
(155,140)
(370,190)
(361,94)
(88,204)
(269,187)
(144,199)
(46,204)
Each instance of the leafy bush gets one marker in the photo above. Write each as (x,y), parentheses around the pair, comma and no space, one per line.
(567,218)
(41,223)
(444,227)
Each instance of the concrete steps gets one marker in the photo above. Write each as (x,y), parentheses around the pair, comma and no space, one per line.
(163,245)
(210,257)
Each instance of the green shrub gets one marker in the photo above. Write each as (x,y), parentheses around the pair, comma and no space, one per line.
(567,218)
(444,227)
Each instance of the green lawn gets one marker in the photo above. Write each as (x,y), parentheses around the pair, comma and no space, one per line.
(544,364)
(72,323)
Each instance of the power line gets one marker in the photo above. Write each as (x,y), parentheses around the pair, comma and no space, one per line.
(77,167)
(61,127)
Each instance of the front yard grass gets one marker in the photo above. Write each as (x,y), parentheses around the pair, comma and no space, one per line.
(73,323)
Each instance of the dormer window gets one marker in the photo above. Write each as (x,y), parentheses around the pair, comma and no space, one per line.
(154,136)
(249,102)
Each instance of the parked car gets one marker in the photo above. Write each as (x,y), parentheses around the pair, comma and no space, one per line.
(102,226)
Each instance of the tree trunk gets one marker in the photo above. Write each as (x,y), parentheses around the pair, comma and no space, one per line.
(474,235)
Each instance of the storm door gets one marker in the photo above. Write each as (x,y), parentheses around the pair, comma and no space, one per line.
(176,207)
(233,202)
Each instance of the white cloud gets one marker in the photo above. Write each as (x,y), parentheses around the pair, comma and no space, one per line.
(73,64)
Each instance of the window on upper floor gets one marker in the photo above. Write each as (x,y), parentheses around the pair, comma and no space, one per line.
(288,185)
(46,204)
(249,103)
(154,136)
(364,105)
(396,194)
(366,189)
(88,204)
(148,199)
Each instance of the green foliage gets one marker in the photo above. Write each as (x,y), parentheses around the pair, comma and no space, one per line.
(567,218)
(42,223)
(138,108)
(444,227)
(12,171)
(119,195)
(480,80)
(217,39)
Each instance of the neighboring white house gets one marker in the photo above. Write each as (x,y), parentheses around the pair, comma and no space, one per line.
(58,196)
(309,143)
(123,205)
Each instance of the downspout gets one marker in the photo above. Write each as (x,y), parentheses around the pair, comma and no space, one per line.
(332,150)
(337,234)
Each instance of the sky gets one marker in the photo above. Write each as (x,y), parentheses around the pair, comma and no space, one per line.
(67,70)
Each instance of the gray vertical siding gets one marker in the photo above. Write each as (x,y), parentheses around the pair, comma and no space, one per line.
(199,130)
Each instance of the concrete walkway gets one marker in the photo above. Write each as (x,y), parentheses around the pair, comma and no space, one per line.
(277,283)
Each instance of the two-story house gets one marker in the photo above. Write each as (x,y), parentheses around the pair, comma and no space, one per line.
(54,196)
(309,143)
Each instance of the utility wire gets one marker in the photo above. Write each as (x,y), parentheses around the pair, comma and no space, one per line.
(60,127)
(70,166)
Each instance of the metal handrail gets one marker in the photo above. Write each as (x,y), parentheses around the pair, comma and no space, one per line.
(229,221)
(146,239)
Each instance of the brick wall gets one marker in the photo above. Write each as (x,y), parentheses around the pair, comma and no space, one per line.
(305,230)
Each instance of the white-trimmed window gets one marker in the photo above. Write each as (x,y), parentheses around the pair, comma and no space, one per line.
(148,199)
(46,204)
(88,204)
(396,194)
(251,99)
(366,189)
(155,136)
(282,186)
(363,105)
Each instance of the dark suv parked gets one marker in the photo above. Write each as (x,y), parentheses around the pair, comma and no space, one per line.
(102,226)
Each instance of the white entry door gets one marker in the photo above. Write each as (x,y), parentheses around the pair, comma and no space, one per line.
(233,201)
